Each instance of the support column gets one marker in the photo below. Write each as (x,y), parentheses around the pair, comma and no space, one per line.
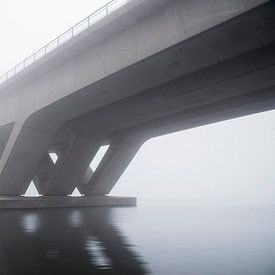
(42,173)
(85,180)
(120,153)
(5,132)
(24,150)
(70,167)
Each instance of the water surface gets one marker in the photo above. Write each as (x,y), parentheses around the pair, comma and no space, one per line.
(162,238)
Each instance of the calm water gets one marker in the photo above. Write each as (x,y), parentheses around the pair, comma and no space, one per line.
(150,239)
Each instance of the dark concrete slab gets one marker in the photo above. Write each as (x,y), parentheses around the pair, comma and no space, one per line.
(20,202)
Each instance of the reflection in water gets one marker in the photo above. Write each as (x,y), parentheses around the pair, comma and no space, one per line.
(76,219)
(30,223)
(174,239)
(64,241)
(95,249)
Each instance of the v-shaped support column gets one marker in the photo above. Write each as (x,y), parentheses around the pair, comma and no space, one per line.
(25,148)
(70,167)
(85,180)
(42,173)
(120,153)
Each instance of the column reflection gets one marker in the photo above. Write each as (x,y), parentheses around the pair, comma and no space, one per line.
(64,241)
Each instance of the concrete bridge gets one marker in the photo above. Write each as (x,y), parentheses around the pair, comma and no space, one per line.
(146,68)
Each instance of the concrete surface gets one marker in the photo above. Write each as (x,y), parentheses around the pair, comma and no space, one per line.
(150,68)
(19,202)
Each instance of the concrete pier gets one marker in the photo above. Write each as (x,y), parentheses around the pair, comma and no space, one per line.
(20,202)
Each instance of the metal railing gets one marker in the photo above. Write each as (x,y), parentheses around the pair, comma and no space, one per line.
(65,36)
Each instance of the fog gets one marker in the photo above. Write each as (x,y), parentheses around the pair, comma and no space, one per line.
(228,161)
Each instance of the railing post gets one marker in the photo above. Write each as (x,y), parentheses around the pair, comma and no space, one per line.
(31,59)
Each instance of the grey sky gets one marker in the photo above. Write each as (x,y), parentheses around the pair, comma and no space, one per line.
(231,161)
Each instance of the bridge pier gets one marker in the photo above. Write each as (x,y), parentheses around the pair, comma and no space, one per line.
(27,158)
(19,202)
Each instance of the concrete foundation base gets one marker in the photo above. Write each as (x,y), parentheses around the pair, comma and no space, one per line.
(20,202)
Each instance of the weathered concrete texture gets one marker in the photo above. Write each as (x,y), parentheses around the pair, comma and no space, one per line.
(153,67)
(18,202)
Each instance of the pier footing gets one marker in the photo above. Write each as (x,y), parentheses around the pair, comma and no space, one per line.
(20,202)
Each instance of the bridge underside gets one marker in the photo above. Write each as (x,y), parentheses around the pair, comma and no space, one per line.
(223,73)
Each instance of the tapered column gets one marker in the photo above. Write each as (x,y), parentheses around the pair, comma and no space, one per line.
(24,151)
(120,153)
(42,173)
(85,180)
(5,131)
(70,167)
